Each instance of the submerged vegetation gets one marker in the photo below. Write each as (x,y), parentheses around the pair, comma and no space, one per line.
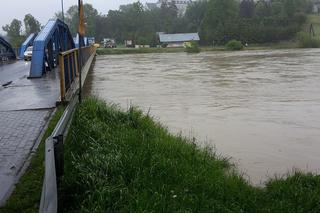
(118,51)
(118,161)
(234,45)
(193,47)
(308,41)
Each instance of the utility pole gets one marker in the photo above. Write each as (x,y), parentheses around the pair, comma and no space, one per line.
(62,10)
(80,7)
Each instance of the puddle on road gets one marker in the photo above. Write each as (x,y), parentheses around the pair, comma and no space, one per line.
(262,108)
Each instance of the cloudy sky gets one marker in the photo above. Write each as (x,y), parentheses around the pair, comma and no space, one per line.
(45,9)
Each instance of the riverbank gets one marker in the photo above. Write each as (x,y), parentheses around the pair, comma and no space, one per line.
(120,51)
(124,161)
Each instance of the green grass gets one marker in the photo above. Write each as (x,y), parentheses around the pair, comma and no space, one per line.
(27,194)
(315,21)
(274,46)
(307,39)
(118,161)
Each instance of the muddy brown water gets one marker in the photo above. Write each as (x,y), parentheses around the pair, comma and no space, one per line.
(261,108)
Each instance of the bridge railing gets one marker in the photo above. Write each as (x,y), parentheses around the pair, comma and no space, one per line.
(69,69)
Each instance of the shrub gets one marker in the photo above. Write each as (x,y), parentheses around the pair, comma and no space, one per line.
(234,45)
(192,47)
(164,45)
(306,41)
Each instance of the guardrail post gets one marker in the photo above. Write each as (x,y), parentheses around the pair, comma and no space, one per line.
(49,196)
(58,153)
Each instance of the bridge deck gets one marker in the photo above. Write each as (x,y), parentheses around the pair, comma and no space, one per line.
(25,106)
(25,93)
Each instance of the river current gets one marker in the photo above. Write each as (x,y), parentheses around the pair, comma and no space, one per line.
(260,108)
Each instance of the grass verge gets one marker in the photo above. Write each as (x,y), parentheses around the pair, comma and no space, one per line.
(118,161)
(27,194)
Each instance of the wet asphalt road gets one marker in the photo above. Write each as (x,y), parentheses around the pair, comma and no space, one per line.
(24,93)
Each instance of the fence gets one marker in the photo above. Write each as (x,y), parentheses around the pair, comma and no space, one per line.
(69,67)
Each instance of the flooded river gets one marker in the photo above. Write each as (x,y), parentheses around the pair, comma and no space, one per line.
(261,108)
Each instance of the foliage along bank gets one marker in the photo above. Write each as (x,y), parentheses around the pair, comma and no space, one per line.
(217,21)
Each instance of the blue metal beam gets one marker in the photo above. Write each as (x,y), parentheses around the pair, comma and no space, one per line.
(7,52)
(55,37)
(28,42)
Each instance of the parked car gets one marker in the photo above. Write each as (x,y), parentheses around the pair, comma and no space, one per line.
(109,43)
(28,53)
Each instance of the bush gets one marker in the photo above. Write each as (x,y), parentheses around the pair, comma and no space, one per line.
(164,45)
(306,41)
(234,45)
(143,41)
(192,47)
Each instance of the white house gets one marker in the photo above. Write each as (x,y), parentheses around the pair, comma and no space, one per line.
(316,6)
(178,39)
(181,5)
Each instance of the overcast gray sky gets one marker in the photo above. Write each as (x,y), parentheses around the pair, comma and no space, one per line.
(43,10)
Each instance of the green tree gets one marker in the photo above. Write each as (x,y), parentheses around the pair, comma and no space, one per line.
(195,14)
(14,33)
(263,9)
(168,16)
(220,20)
(246,9)
(72,19)
(31,24)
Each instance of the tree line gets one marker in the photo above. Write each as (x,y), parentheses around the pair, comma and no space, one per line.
(15,33)
(217,21)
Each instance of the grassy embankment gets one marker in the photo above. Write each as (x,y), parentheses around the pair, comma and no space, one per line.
(27,194)
(120,161)
(315,21)
(309,36)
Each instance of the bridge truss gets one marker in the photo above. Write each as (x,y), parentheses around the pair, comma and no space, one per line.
(6,51)
(54,38)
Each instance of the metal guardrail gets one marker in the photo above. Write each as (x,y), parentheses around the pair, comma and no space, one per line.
(68,62)
(54,160)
